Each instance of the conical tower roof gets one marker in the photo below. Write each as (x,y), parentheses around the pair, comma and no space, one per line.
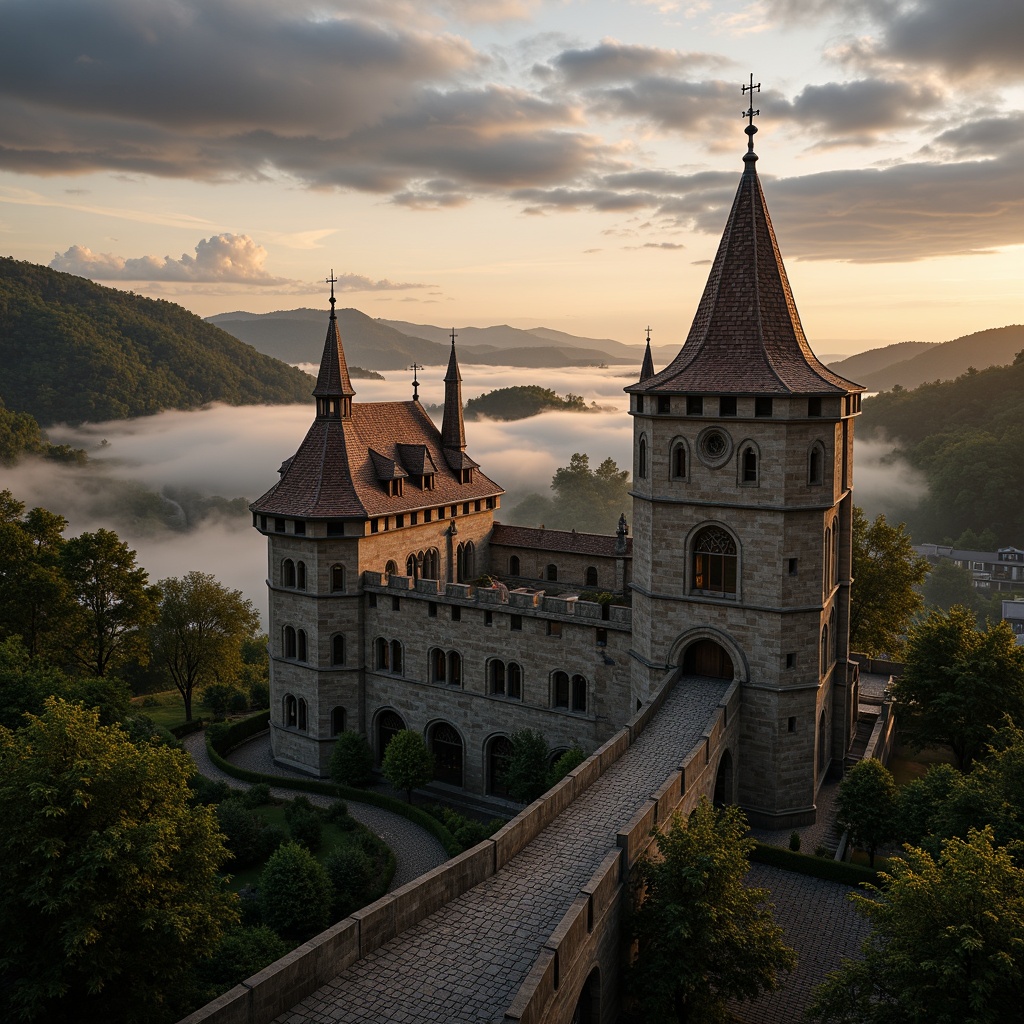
(746,336)
(453,430)
(333,380)
(647,367)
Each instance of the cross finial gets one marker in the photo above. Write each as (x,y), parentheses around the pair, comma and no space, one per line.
(648,335)
(332,281)
(454,336)
(415,383)
(750,113)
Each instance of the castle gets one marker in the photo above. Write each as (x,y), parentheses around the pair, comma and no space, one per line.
(739,566)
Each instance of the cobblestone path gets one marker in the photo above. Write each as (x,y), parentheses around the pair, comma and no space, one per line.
(466,962)
(415,849)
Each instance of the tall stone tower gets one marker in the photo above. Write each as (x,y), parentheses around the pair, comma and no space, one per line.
(742,515)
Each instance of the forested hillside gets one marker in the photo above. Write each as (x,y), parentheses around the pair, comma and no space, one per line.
(520,402)
(967,436)
(73,351)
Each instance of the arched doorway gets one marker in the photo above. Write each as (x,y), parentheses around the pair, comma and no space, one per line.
(723,781)
(707,658)
(446,746)
(499,750)
(588,1006)
(389,724)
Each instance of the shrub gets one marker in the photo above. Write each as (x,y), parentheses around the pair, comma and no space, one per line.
(570,760)
(351,872)
(239,702)
(242,953)
(218,696)
(307,829)
(257,795)
(336,812)
(794,842)
(208,791)
(352,760)
(295,893)
(259,695)
(822,851)
(526,771)
(407,762)
(271,837)
(241,828)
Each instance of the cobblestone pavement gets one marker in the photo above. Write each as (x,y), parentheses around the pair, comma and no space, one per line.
(820,924)
(466,962)
(822,833)
(415,849)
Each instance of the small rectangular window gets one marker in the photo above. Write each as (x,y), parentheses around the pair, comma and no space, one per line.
(602,638)
(488,618)
(477,506)
(279,525)
(465,508)
(813,406)
(694,405)
(396,604)
(432,609)
(792,725)
(371,600)
(762,407)
(263,522)
(554,629)
(515,622)
(374,525)
(490,503)
(335,529)
(456,613)
(414,518)
(664,405)
(300,528)
(792,562)
(639,403)
(791,660)
(440,512)
(399,521)
(427,514)
(727,406)
(454,511)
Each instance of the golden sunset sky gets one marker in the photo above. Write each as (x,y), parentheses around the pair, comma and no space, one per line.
(566,163)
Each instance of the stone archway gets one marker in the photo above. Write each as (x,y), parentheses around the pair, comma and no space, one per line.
(724,781)
(707,657)
(588,1006)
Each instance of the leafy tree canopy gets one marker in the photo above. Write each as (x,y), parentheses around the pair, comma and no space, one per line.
(886,575)
(866,805)
(702,936)
(946,946)
(407,763)
(958,683)
(110,891)
(526,771)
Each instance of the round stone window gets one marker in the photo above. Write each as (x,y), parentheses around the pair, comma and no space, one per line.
(714,446)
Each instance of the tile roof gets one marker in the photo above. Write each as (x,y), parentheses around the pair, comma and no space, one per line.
(746,336)
(336,471)
(333,379)
(567,541)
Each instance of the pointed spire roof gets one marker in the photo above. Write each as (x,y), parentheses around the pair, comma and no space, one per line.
(333,380)
(453,430)
(647,368)
(746,337)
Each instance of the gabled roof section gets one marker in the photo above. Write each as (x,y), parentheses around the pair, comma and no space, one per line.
(746,336)
(568,541)
(385,468)
(416,459)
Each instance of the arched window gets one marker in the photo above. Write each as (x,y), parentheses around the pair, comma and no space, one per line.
(824,650)
(389,724)
(430,564)
(300,575)
(835,553)
(454,668)
(514,681)
(411,567)
(579,693)
(302,652)
(641,459)
(396,657)
(816,464)
(337,649)
(513,565)
(303,714)
(382,654)
(560,690)
(826,562)
(288,573)
(337,721)
(337,578)
(290,711)
(714,562)
(591,576)
(834,634)
(499,752)
(679,461)
(551,573)
(496,677)
(391,568)
(446,746)
(748,465)
(465,562)
(438,665)
(289,641)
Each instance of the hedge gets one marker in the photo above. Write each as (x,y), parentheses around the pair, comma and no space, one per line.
(186,727)
(226,736)
(363,796)
(817,867)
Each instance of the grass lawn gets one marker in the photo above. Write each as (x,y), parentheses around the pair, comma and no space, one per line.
(168,708)
(907,765)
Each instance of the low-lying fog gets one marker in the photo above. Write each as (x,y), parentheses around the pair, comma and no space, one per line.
(234,452)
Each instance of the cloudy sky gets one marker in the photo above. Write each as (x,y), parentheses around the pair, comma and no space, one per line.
(565,163)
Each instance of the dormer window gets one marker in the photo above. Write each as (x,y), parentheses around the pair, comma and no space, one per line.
(395,487)
(467,476)
(427,481)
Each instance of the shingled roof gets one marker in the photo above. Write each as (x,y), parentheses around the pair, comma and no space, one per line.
(746,336)
(568,541)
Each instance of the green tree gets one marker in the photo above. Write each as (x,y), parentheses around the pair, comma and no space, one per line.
(352,760)
(571,759)
(110,891)
(886,575)
(407,763)
(114,602)
(948,584)
(958,683)
(702,937)
(201,632)
(526,771)
(946,945)
(866,805)
(241,953)
(295,893)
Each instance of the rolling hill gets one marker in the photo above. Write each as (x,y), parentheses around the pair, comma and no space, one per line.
(74,351)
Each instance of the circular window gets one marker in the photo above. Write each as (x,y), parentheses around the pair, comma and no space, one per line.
(714,446)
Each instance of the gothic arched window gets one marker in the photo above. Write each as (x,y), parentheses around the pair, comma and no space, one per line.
(337,649)
(641,459)
(300,575)
(289,642)
(337,578)
(591,576)
(679,461)
(288,573)
(714,562)
(513,565)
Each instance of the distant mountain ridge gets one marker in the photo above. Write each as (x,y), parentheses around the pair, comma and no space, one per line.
(74,351)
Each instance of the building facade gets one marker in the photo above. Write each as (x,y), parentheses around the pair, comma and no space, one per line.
(397,601)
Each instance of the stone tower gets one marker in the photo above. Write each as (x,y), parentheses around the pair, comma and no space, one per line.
(742,516)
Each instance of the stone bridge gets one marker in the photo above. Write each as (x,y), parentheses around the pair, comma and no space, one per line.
(524,926)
